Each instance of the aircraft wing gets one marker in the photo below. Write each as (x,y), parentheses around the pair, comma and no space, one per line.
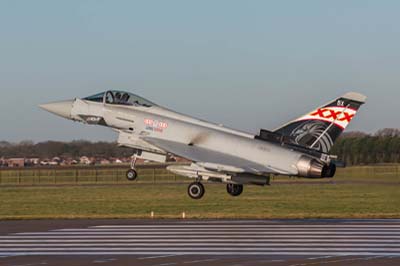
(211,159)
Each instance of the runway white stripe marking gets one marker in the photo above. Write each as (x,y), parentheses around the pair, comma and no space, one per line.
(204,233)
(157,229)
(267,222)
(320,258)
(199,261)
(210,240)
(173,250)
(306,236)
(156,257)
(333,244)
(104,261)
(245,225)
(189,241)
(373,258)
(198,253)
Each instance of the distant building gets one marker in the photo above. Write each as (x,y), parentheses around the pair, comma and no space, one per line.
(104,161)
(44,162)
(86,160)
(118,161)
(68,161)
(16,162)
(3,162)
(32,162)
(56,160)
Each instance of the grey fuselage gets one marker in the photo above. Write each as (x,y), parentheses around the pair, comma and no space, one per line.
(160,123)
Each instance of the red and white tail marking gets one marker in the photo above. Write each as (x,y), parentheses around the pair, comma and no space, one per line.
(339,115)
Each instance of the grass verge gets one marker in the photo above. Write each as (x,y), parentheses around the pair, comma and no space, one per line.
(169,201)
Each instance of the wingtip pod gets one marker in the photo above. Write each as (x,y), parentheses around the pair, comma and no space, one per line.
(355,96)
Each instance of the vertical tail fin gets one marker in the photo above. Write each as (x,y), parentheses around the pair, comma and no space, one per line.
(321,127)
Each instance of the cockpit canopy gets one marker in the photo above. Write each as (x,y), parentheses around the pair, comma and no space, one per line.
(120,98)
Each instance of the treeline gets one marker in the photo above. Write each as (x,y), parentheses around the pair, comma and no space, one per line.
(50,149)
(357,148)
(353,148)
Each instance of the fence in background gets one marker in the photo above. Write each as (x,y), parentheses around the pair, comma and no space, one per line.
(151,173)
(383,171)
(154,173)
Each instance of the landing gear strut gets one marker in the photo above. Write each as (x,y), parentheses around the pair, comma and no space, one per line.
(234,189)
(196,190)
(132,174)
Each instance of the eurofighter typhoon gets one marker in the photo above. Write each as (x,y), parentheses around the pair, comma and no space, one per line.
(218,154)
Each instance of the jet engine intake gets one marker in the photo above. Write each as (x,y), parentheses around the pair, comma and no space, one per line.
(312,168)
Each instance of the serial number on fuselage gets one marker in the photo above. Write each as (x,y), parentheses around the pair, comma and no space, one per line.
(263,148)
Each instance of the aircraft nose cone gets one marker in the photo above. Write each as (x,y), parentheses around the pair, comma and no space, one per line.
(62,108)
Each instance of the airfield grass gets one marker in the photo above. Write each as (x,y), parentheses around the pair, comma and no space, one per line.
(281,200)
(103,175)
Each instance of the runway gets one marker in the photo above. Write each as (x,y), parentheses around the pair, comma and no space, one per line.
(164,243)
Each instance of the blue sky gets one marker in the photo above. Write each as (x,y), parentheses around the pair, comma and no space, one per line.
(246,64)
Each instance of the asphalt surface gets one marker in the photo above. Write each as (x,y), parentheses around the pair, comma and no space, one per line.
(224,242)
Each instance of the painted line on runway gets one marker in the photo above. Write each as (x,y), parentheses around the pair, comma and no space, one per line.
(205,233)
(332,244)
(103,261)
(260,222)
(199,261)
(238,237)
(156,241)
(199,253)
(189,241)
(245,225)
(320,258)
(157,229)
(156,257)
(220,249)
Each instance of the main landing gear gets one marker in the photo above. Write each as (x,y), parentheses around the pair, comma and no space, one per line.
(132,174)
(196,190)
(234,189)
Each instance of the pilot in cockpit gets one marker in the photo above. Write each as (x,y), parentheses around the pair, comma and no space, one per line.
(117,98)
(121,98)
(125,98)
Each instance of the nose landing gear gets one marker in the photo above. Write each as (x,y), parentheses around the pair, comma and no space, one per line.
(196,190)
(132,174)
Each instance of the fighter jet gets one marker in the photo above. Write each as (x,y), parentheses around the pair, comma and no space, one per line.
(298,148)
